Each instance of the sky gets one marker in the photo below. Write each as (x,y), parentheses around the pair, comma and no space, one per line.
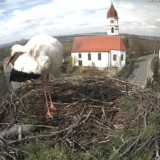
(22,19)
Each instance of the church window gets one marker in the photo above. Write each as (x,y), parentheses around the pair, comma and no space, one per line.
(114,57)
(89,56)
(99,56)
(122,57)
(112,30)
(80,63)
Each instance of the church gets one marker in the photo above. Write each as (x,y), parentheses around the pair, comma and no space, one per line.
(101,51)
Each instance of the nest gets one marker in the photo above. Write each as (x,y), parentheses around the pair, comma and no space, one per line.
(87,109)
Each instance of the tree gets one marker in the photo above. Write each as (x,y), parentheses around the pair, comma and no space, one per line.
(156,75)
(126,42)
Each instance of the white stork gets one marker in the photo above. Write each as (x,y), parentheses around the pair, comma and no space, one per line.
(41,56)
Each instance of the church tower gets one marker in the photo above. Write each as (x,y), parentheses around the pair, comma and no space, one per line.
(112,21)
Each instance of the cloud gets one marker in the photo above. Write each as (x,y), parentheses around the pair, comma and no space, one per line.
(23,19)
(17,12)
(128,6)
(149,28)
(2,11)
(57,14)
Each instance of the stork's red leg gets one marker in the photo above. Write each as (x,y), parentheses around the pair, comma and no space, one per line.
(48,113)
(46,90)
(52,107)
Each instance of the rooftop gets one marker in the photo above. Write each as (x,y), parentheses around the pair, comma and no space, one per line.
(97,43)
(112,12)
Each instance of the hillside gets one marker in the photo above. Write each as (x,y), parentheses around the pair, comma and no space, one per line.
(136,45)
(97,118)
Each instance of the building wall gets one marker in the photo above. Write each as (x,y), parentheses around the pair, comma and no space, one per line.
(108,59)
(94,59)
(120,58)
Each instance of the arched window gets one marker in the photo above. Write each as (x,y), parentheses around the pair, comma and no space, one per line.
(80,63)
(79,55)
(114,57)
(89,56)
(122,57)
(99,56)
(112,30)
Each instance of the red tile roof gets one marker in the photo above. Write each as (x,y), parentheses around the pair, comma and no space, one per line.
(97,44)
(112,12)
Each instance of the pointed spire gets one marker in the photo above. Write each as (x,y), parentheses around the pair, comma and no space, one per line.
(112,12)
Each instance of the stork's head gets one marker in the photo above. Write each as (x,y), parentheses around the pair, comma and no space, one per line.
(14,50)
(17,48)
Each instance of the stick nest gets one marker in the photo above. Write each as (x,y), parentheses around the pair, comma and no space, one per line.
(89,109)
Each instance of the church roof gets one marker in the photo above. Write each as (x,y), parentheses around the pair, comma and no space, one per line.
(97,44)
(112,12)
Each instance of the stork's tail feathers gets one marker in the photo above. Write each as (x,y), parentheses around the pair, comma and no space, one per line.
(20,76)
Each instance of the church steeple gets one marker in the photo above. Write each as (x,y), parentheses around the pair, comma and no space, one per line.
(112,21)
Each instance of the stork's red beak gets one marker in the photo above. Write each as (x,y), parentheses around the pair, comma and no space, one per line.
(9,60)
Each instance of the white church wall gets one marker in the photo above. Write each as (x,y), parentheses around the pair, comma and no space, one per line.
(123,62)
(104,62)
(118,58)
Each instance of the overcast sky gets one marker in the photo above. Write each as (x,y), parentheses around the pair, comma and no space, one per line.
(25,18)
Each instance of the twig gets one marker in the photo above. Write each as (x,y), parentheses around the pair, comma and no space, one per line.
(45,135)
